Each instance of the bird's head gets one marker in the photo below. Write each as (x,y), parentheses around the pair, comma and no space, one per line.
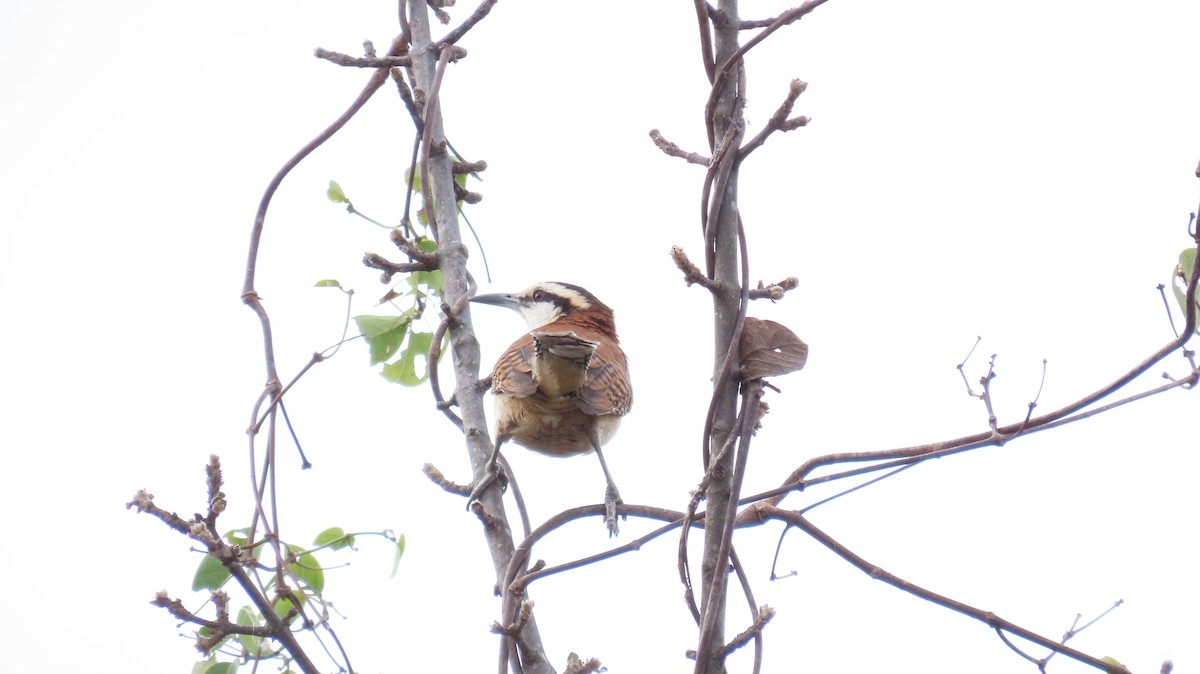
(546,302)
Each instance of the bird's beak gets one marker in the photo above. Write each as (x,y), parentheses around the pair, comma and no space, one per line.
(498,299)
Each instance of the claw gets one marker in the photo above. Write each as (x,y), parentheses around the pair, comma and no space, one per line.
(491,473)
(611,499)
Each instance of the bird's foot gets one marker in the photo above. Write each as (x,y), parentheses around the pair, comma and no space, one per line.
(491,473)
(612,498)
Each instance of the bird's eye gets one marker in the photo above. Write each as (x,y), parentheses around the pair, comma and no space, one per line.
(539,295)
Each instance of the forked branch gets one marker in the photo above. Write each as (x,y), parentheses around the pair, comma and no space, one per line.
(987,617)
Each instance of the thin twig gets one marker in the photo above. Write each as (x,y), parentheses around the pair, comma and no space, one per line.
(715,590)
(753,632)
(362,61)
(775,291)
(447,54)
(672,150)
(390,269)
(790,16)
(755,612)
(691,273)
(470,22)
(706,50)
(797,480)
(778,121)
(435,384)
(204,531)
(746,24)
(987,617)
(685,573)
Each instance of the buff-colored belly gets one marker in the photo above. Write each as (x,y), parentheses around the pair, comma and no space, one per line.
(551,426)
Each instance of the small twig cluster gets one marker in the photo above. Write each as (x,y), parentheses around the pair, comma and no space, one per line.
(235,558)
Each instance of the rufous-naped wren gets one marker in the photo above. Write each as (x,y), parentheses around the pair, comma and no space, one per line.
(561,388)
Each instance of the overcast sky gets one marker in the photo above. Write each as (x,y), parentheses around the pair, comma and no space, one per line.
(1020,171)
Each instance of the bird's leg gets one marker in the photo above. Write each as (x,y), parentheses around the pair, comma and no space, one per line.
(491,471)
(612,497)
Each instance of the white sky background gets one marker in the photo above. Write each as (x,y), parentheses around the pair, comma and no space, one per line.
(1020,171)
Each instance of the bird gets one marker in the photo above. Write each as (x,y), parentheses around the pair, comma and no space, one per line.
(561,388)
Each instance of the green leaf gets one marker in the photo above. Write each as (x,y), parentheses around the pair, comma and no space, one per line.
(335,538)
(211,666)
(282,607)
(1187,260)
(384,334)
(424,283)
(399,554)
(1181,279)
(307,569)
(426,245)
(393,372)
(432,279)
(328,283)
(1112,661)
(210,574)
(248,618)
(415,173)
(241,537)
(329,535)
(335,193)
(404,370)
(238,536)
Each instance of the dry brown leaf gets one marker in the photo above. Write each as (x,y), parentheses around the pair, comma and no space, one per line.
(770,349)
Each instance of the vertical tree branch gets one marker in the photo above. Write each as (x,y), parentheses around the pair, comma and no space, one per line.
(726,127)
(464,347)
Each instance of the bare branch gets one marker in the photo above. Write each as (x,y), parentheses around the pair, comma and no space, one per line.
(249,293)
(465,167)
(746,24)
(414,111)
(706,53)
(435,381)
(437,186)
(362,61)
(204,531)
(577,665)
(715,583)
(514,628)
(778,121)
(220,628)
(390,269)
(691,273)
(470,22)
(673,150)
(409,248)
(764,616)
(755,609)
(440,480)
(734,59)
(690,514)
(908,456)
(987,617)
(1076,628)
(775,291)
